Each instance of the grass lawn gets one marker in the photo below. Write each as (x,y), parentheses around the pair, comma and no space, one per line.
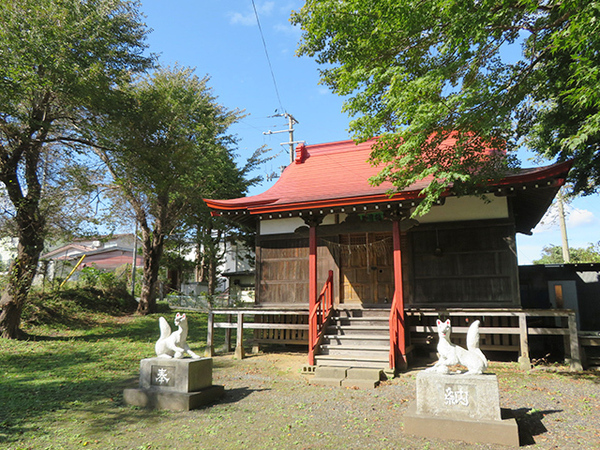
(72,372)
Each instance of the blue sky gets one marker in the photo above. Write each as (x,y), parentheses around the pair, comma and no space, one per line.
(221,39)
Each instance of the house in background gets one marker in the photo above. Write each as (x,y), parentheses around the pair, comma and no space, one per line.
(103,252)
(361,282)
(238,274)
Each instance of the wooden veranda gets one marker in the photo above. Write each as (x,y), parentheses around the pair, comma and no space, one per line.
(501,329)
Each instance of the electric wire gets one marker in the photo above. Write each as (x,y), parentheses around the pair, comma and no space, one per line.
(267,54)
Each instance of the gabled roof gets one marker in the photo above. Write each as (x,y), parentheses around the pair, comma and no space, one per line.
(337,174)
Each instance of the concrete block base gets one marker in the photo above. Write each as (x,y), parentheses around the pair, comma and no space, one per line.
(362,378)
(460,407)
(503,432)
(329,376)
(175,384)
(175,401)
(177,375)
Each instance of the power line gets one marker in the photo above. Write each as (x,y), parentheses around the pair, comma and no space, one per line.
(267,54)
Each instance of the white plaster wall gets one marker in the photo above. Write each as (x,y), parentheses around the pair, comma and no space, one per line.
(454,210)
(289,225)
(467,208)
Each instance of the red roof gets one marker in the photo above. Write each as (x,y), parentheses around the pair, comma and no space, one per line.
(337,174)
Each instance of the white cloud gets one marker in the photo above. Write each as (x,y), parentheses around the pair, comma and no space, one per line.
(549,222)
(288,29)
(575,218)
(580,217)
(249,19)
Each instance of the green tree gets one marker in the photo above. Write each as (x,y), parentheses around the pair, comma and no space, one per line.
(60,63)
(210,233)
(552,254)
(417,73)
(164,146)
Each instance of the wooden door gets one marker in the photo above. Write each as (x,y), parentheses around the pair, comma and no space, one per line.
(367,269)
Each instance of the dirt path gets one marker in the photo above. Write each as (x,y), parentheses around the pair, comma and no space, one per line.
(269,404)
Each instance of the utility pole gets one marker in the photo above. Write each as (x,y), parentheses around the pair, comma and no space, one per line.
(290,130)
(563,228)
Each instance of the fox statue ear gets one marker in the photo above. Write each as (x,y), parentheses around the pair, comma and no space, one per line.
(438,322)
(183,316)
(448,322)
(177,315)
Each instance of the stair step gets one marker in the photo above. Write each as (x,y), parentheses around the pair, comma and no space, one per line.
(366,337)
(351,320)
(356,352)
(334,361)
(375,348)
(365,327)
(356,338)
(369,313)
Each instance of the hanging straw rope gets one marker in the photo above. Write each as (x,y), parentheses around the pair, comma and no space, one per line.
(381,247)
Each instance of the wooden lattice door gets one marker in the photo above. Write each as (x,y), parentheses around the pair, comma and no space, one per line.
(367,270)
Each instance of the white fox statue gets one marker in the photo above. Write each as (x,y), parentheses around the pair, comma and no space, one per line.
(450,354)
(173,345)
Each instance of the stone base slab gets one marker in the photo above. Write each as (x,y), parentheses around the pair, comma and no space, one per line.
(503,432)
(362,378)
(468,397)
(175,401)
(176,375)
(329,376)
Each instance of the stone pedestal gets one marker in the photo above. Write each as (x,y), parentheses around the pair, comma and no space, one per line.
(460,407)
(175,384)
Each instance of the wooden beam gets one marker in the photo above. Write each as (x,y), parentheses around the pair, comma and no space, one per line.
(312,286)
(401,363)
(524,360)
(209,351)
(575,361)
(239,344)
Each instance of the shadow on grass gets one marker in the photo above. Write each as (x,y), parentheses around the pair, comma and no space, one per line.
(35,407)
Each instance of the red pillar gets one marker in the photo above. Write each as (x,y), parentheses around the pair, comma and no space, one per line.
(312,288)
(400,337)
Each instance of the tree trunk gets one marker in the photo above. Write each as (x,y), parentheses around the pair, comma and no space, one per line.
(152,246)
(199,264)
(22,270)
(213,261)
(31,227)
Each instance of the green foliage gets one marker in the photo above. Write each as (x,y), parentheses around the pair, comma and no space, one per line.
(91,276)
(552,254)
(419,73)
(61,63)
(166,148)
(72,307)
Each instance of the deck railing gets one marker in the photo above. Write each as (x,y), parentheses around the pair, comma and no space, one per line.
(318,317)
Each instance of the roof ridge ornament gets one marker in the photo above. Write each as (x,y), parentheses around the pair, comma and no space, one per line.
(301,153)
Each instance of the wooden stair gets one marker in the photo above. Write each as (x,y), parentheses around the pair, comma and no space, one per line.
(356,338)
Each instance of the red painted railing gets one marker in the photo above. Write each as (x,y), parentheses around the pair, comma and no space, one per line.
(318,317)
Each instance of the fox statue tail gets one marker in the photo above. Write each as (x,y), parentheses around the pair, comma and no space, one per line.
(473,342)
(165,329)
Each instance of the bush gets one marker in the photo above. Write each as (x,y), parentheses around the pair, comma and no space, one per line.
(89,276)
